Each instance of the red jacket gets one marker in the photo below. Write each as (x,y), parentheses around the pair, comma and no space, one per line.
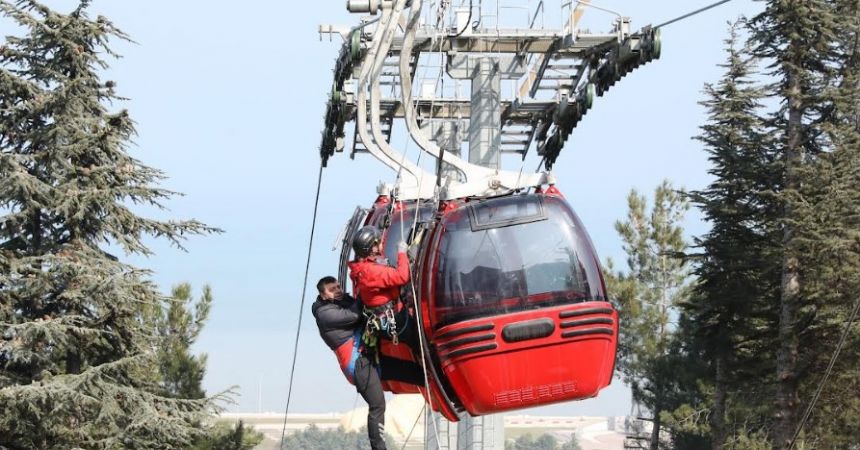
(377,284)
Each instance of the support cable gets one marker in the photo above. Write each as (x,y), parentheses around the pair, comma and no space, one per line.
(421,341)
(410,25)
(827,372)
(415,424)
(354,402)
(302,304)
(691,14)
(418,325)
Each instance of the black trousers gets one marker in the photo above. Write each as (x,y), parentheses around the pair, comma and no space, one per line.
(368,384)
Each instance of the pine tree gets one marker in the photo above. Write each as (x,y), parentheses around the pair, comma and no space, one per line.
(796,37)
(649,293)
(571,444)
(529,442)
(223,436)
(829,241)
(78,366)
(313,438)
(731,312)
(180,325)
(689,403)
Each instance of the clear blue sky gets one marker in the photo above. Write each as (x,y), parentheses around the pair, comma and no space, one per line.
(229,98)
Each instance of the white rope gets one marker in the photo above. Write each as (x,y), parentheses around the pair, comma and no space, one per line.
(421,342)
(417,213)
(415,424)
(351,415)
(418,325)
(420,329)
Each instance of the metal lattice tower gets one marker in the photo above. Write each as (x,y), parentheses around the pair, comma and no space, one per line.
(637,437)
(531,84)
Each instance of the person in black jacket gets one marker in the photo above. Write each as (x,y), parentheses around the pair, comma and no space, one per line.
(340,324)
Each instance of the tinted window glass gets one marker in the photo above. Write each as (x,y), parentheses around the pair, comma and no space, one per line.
(493,261)
(505,211)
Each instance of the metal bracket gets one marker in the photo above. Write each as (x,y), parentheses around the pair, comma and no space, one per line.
(461,67)
(563,70)
(341,30)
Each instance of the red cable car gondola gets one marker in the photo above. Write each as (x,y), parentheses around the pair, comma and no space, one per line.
(512,302)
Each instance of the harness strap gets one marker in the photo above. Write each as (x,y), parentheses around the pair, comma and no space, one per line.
(382,319)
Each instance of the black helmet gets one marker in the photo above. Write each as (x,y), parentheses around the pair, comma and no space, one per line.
(364,240)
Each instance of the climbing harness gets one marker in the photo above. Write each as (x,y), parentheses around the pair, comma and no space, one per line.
(380,321)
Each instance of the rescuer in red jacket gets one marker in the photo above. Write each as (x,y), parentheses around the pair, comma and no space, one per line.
(378,286)
(376,283)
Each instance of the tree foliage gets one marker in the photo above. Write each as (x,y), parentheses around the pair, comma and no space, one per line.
(542,442)
(571,444)
(732,315)
(801,42)
(180,321)
(180,324)
(223,436)
(78,365)
(648,295)
(314,438)
(777,273)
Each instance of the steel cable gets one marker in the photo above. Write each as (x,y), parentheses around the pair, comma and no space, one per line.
(415,424)
(302,305)
(691,14)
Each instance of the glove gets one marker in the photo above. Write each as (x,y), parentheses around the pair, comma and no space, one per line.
(402,247)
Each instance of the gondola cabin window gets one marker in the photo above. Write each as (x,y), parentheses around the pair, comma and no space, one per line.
(511,254)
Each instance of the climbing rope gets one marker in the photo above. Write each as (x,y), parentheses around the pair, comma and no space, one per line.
(354,403)
(302,303)
(408,436)
(418,325)
(419,329)
(421,341)
(417,213)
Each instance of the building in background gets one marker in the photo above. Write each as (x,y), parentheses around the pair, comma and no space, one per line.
(404,413)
